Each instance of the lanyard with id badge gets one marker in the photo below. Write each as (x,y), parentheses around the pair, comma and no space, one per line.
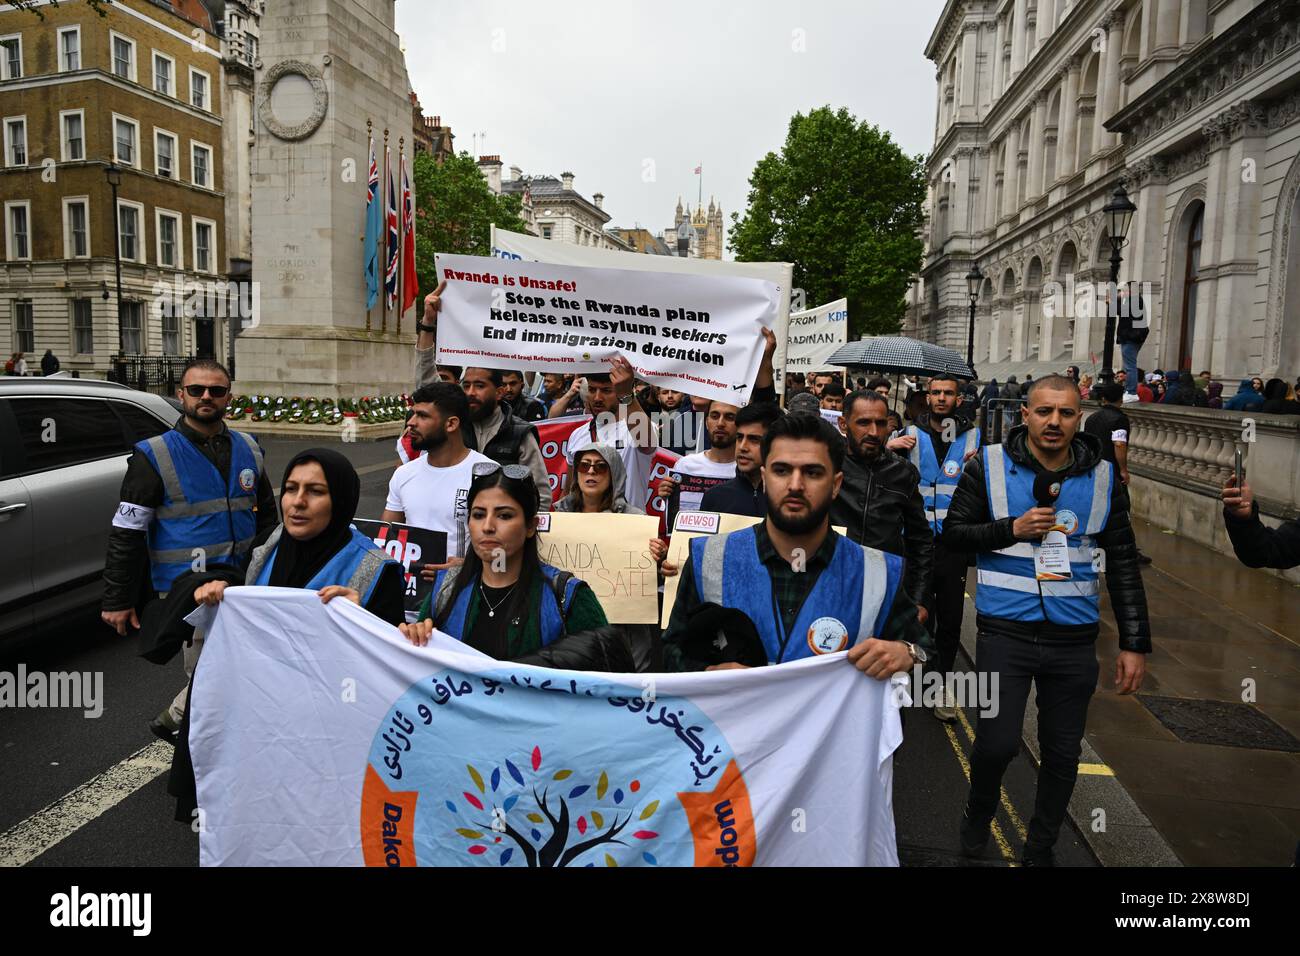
(1052,554)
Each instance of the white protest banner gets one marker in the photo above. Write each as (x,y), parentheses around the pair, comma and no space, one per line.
(321,738)
(815,335)
(695,334)
(611,552)
(515,245)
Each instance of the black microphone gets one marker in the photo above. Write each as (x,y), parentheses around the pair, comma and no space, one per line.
(1047,488)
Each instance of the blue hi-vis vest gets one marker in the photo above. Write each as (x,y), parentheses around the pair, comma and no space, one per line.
(357,565)
(939,480)
(553,615)
(849,603)
(200,509)
(1008,584)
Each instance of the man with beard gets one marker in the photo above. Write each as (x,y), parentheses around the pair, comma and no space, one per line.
(496,431)
(676,421)
(197,491)
(743,495)
(1044,513)
(719,462)
(512,396)
(880,503)
(430,491)
(938,446)
(807,590)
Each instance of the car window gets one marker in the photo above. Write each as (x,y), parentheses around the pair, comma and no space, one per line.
(57,432)
(139,423)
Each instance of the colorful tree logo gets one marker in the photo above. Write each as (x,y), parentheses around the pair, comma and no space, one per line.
(565,823)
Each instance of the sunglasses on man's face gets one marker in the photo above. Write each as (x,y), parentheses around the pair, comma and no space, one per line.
(594,467)
(217,391)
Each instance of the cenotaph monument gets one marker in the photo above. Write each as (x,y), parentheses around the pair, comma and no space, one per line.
(326,68)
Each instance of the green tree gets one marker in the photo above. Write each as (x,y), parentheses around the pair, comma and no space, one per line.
(843,203)
(96,5)
(454,210)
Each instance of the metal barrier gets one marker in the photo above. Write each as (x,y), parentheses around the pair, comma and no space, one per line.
(993,415)
(148,373)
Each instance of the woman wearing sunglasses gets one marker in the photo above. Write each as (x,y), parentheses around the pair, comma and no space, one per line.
(503,601)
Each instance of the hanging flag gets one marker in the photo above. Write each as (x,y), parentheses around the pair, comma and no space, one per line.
(410,283)
(393,247)
(373,222)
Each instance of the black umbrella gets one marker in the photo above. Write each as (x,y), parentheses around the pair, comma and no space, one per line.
(896,353)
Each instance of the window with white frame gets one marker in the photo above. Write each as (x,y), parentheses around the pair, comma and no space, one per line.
(201,165)
(130,328)
(165,153)
(69,49)
(164,74)
(168,227)
(76,227)
(15,140)
(18,225)
(72,125)
(126,141)
(123,56)
(83,329)
(130,226)
(198,89)
(205,245)
(171,329)
(11,57)
(24,329)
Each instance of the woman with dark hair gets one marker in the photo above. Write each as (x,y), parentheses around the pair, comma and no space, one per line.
(503,601)
(1276,401)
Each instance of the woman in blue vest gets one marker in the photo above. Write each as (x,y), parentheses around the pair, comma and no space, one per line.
(503,600)
(316,546)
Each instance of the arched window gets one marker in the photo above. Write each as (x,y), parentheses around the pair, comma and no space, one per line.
(1191,265)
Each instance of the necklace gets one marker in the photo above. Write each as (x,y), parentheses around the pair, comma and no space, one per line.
(492,608)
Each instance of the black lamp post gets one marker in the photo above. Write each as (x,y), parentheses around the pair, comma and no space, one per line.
(974,279)
(1119,213)
(114,174)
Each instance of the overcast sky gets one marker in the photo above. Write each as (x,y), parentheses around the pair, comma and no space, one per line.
(620,92)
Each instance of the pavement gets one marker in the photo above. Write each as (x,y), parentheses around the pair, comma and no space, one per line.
(92,792)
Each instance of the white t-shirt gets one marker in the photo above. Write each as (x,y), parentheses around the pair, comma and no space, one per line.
(636,462)
(700,465)
(435,498)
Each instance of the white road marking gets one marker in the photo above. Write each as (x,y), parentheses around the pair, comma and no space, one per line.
(42,830)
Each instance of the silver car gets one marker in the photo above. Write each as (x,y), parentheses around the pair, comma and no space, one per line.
(64,444)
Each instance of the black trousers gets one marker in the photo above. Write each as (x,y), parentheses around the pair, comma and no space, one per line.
(945,604)
(1065,676)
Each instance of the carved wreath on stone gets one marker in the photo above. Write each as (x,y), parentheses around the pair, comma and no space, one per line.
(320,96)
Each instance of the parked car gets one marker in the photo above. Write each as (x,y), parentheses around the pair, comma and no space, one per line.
(64,444)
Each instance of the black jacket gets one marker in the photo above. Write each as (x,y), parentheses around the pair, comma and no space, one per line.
(527,408)
(1259,546)
(736,497)
(970,528)
(507,445)
(880,507)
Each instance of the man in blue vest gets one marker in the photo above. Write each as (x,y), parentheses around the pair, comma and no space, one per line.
(939,445)
(194,496)
(1045,514)
(807,590)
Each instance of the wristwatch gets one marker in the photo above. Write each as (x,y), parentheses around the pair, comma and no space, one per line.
(421,327)
(627,399)
(918,653)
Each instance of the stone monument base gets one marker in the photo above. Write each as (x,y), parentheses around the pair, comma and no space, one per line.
(312,360)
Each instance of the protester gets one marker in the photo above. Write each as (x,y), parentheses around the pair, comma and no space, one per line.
(430,491)
(553,386)
(620,422)
(17,365)
(718,462)
(880,384)
(512,397)
(504,601)
(1010,414)
(833,396)
(1247,398)
(1181,391)
(991,392)
(676,423)
(1085,386)
(199,491)
(1131,331)
(49,363)
(495,431)
(743,494)
(1072,373)
(1044,631)
(1277,400)
(449,373)
(1257,384)
(1110,426)
(820,381)
(938,446)
(1214,395)
(1146,388)
(879,503)
(1255,544)
(801,589)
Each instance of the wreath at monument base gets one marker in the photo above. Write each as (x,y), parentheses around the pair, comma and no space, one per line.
(315,410)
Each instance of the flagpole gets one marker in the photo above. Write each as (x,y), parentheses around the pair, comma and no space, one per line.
(383,262)
(401,226)
(370,146)
(700,201)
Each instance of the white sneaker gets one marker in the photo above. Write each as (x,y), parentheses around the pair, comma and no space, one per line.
(947,711)
(1130,397)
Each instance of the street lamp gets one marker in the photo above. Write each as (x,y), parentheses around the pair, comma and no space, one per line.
(1119,214)
(974,279)
(114,174)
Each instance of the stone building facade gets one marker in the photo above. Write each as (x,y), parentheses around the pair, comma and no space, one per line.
(553,209)
(141,88)
(702,231)
(1043,107)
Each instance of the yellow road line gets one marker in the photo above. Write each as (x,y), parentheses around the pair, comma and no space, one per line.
(1004,846)
(1006,800)
(1096,769)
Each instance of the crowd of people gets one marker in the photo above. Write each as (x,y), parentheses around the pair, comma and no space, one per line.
(919,492)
